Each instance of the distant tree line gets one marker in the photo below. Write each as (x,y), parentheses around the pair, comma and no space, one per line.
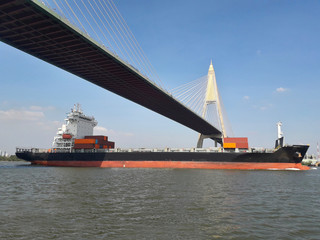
(11,158)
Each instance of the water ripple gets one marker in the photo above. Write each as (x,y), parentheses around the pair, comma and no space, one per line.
(93,203)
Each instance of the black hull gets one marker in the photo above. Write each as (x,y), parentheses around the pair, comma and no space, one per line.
(287,155)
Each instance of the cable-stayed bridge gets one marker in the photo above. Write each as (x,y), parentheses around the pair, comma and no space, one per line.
(35,28)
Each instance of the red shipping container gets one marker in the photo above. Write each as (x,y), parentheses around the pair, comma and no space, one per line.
(236,140)
(84,146)
(111,144)
(242,145)
(102,142)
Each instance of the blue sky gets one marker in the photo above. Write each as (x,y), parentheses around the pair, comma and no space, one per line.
(265,54)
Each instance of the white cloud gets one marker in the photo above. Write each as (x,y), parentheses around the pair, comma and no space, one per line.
(246,97)
(32,113)
(35,108)
(263,107)
(98,130)
(4,103)
(39,108)
(281,89)
(21,115)
(23,127)
(48,125)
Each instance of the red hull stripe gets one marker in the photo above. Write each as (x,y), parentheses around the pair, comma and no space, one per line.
(173,164)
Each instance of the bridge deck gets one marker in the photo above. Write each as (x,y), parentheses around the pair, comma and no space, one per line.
(28,26)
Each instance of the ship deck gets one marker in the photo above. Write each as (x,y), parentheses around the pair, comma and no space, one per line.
(125,150)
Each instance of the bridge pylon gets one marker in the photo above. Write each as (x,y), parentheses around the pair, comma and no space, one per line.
(212,98)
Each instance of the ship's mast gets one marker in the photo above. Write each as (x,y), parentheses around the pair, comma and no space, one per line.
(77,108)
(280,133)
(280,139)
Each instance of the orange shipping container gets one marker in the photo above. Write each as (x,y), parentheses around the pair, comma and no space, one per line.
(229,145)
(84,141)
(66,136)
(99,137)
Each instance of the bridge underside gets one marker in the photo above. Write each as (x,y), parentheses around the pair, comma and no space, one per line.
(25,25)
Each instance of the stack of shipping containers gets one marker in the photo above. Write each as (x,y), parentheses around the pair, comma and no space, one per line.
(93,142)
(241,143)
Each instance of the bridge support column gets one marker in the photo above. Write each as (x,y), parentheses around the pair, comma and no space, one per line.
(215,138)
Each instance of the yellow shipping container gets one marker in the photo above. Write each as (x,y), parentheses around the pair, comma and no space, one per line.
(229,145)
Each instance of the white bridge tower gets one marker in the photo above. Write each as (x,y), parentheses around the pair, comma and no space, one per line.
(212,98)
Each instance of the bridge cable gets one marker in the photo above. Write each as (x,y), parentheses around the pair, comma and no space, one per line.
(75,15)
(193,94)
(195,97)
(130,47)
(125,43)
(70,18)
(135,42)
(186,88)
(181,89)
(58,8)
(98,24)
(125,38)
(117,35)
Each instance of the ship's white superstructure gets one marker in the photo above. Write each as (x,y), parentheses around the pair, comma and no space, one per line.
(77,126)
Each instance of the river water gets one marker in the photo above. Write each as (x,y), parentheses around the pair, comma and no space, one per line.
(94,203)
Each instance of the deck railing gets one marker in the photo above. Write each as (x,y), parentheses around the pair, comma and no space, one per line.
(41,150)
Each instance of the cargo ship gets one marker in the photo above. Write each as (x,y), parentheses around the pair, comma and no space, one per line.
(76,146)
